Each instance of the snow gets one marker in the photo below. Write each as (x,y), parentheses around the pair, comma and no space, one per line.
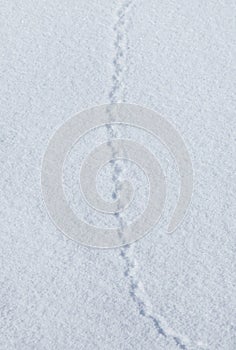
(164,291)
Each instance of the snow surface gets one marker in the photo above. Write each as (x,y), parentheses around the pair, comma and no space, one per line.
(165,291)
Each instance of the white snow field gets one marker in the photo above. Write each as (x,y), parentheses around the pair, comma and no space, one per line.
(165,291)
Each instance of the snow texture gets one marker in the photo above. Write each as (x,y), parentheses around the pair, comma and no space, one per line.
(165,292)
